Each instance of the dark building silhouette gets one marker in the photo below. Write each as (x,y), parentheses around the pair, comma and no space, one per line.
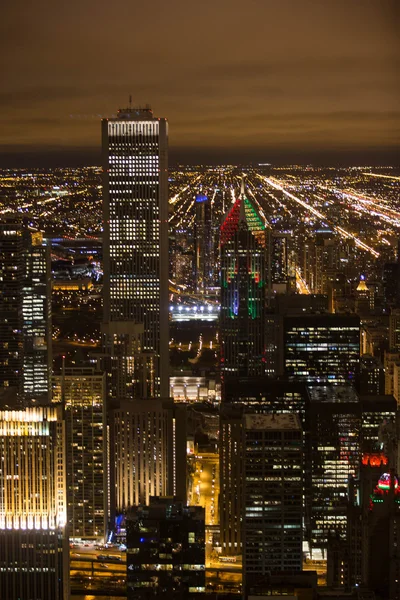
(372,376)
(204,245)
(165,550)
(273,495)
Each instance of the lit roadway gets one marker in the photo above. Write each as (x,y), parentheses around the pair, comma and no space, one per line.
(84,564)
(301,285)
(205,492)
(278,185)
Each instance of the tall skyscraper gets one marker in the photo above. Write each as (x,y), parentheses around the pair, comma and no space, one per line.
(243,290)
(82,391)
(34,549)
(135,221)
(25,310)
(335,424)
(273,495)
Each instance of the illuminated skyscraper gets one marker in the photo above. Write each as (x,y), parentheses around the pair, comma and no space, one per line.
(243,290)
(34,550)
(82,391)
(25,309)
(135,213)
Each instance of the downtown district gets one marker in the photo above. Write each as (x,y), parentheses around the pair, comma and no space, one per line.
(199,377)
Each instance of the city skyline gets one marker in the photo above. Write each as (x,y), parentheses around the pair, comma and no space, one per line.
(288,82)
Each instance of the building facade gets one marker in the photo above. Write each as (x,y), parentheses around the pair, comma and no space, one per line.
(25,311)
(142,433)
(34,549)
(272,495)
(321,348)
(82,392)
(135,221)
(335,423)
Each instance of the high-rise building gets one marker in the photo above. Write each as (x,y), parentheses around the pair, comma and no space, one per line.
(273,495)
(391,284)
(34,549)
(283,264)
(149,437)
(231,479)
(12,269)
(322,348)
(327,260)
(25,309)
(252,395)
(166,550)
(335,423)
(135,221)
(369,557)
(365,298)
(243,290)
(82,392)
(204,245)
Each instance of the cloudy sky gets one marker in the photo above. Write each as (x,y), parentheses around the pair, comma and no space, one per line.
(253,79)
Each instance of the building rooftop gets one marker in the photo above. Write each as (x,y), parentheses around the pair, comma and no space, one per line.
(332,393)
(279,422)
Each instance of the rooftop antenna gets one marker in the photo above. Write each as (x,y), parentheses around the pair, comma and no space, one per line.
(130,101)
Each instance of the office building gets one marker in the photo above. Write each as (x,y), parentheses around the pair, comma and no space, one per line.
(135,221)
(243,290)
(25,308)
(82,392)
(321,348)
(335,424)
(273,495)
(34,550)
(166,551)
(252,395)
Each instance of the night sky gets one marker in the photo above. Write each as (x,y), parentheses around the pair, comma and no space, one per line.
(264,80)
